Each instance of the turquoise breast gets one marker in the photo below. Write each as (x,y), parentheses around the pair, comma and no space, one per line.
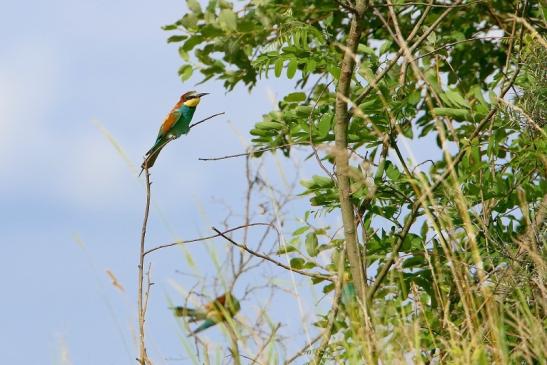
(182,125)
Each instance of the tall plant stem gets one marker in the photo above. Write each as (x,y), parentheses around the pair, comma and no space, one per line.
(342,156)
(234,348)
(143,357)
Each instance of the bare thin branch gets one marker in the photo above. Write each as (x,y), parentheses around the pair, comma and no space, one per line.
(264,257)
(268,340)
(303,350)
(204,120)
(204,238)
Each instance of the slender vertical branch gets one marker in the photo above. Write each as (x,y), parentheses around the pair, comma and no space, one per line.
(327,334)
(234,348)
(143,357)
(382,272)
(341,144)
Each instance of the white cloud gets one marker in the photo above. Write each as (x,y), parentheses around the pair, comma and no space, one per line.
(93,173)
(36,153)
(28,77)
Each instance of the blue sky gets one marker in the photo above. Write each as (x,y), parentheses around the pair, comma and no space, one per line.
(72,206)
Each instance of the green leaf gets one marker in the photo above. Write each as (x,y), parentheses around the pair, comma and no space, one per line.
(457,35)
(259,132)
(414,261)
(227,20)
(310,65)
(185,72)
(334,70)
(278,67)
(291,68)
(303,110)
(316,280)
(323,127)
(191,43)
(414,98)
(455,99)
(225,4)
(424,229)
(312,244)
(176,38)
(385,46)
(462,114)
(328,288)
(322,181)
(366,72)
(371,105)
(297,263)
(194,6)
(269,125)
(412,242)
(170,27)
(285,249)
(295,97)
(300,230)
(296,39)
(246,26)
(189,21)
(392,172)
(183,54)
(361,48)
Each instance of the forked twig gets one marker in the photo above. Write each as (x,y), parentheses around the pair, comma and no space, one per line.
(280,264)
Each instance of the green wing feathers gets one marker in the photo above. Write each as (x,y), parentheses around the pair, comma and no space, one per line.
(192,314)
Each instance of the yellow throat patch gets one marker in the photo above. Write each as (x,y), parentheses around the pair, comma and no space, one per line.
(192,102)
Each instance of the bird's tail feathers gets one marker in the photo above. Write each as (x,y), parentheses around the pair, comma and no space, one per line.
(208,323)
(152,155)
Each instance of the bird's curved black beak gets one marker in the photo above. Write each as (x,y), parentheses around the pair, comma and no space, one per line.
(202,94)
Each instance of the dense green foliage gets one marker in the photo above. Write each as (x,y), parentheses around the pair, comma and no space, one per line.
(461,233)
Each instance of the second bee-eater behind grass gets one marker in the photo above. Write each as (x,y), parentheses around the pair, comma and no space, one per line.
(175,124)
(219,310)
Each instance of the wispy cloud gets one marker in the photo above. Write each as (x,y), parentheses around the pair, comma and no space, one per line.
(28,78)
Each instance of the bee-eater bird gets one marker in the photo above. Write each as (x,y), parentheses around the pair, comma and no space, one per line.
(219,310)
(175,124)
(349,294)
